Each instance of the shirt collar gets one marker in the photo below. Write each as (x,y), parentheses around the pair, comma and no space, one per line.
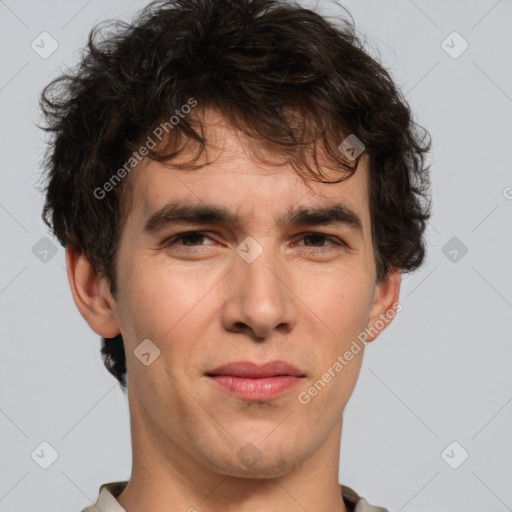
(107,499)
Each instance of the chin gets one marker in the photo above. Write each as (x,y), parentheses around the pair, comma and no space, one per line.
(264,472)
(251,462)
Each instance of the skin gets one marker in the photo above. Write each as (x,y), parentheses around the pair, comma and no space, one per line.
(208,308)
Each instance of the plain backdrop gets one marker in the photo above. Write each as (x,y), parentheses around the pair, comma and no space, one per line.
(429,424)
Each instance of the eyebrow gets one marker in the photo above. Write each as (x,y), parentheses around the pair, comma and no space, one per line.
(176,213)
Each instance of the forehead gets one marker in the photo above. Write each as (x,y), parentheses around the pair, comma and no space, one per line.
(249,186)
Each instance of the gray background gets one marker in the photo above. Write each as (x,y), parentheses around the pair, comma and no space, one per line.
(440,373)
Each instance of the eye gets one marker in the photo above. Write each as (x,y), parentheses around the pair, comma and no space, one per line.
(318,238)
(191,241)
(189,238)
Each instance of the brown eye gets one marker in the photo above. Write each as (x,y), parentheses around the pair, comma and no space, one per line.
(189,239)
(317,240)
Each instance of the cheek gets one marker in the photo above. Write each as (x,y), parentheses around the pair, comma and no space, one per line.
(161,300)
(341,301)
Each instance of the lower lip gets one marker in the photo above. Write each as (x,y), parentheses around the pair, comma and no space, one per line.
(256,389)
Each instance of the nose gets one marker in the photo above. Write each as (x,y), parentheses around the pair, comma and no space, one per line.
(260,300)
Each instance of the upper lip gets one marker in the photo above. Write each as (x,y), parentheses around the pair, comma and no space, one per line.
(252,370)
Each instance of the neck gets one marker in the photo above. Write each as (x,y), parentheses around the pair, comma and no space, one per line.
(165,475)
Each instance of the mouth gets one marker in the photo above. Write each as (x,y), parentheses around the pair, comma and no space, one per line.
(250,381)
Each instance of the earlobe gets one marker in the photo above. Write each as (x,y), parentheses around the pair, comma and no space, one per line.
(90,293)
(385,303)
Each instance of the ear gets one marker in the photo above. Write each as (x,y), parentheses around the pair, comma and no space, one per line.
(91,293)
(385,303)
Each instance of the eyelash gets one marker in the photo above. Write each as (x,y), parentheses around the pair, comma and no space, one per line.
(175,238)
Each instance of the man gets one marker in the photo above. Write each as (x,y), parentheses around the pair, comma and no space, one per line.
(238,187)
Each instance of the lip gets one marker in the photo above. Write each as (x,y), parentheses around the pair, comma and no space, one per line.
(250,381)
(251,370)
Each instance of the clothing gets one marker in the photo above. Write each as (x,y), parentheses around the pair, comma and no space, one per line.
(107,500)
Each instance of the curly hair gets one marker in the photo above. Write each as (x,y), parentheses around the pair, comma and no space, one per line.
(280,73)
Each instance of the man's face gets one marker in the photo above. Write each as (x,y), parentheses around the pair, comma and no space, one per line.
(302,300)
